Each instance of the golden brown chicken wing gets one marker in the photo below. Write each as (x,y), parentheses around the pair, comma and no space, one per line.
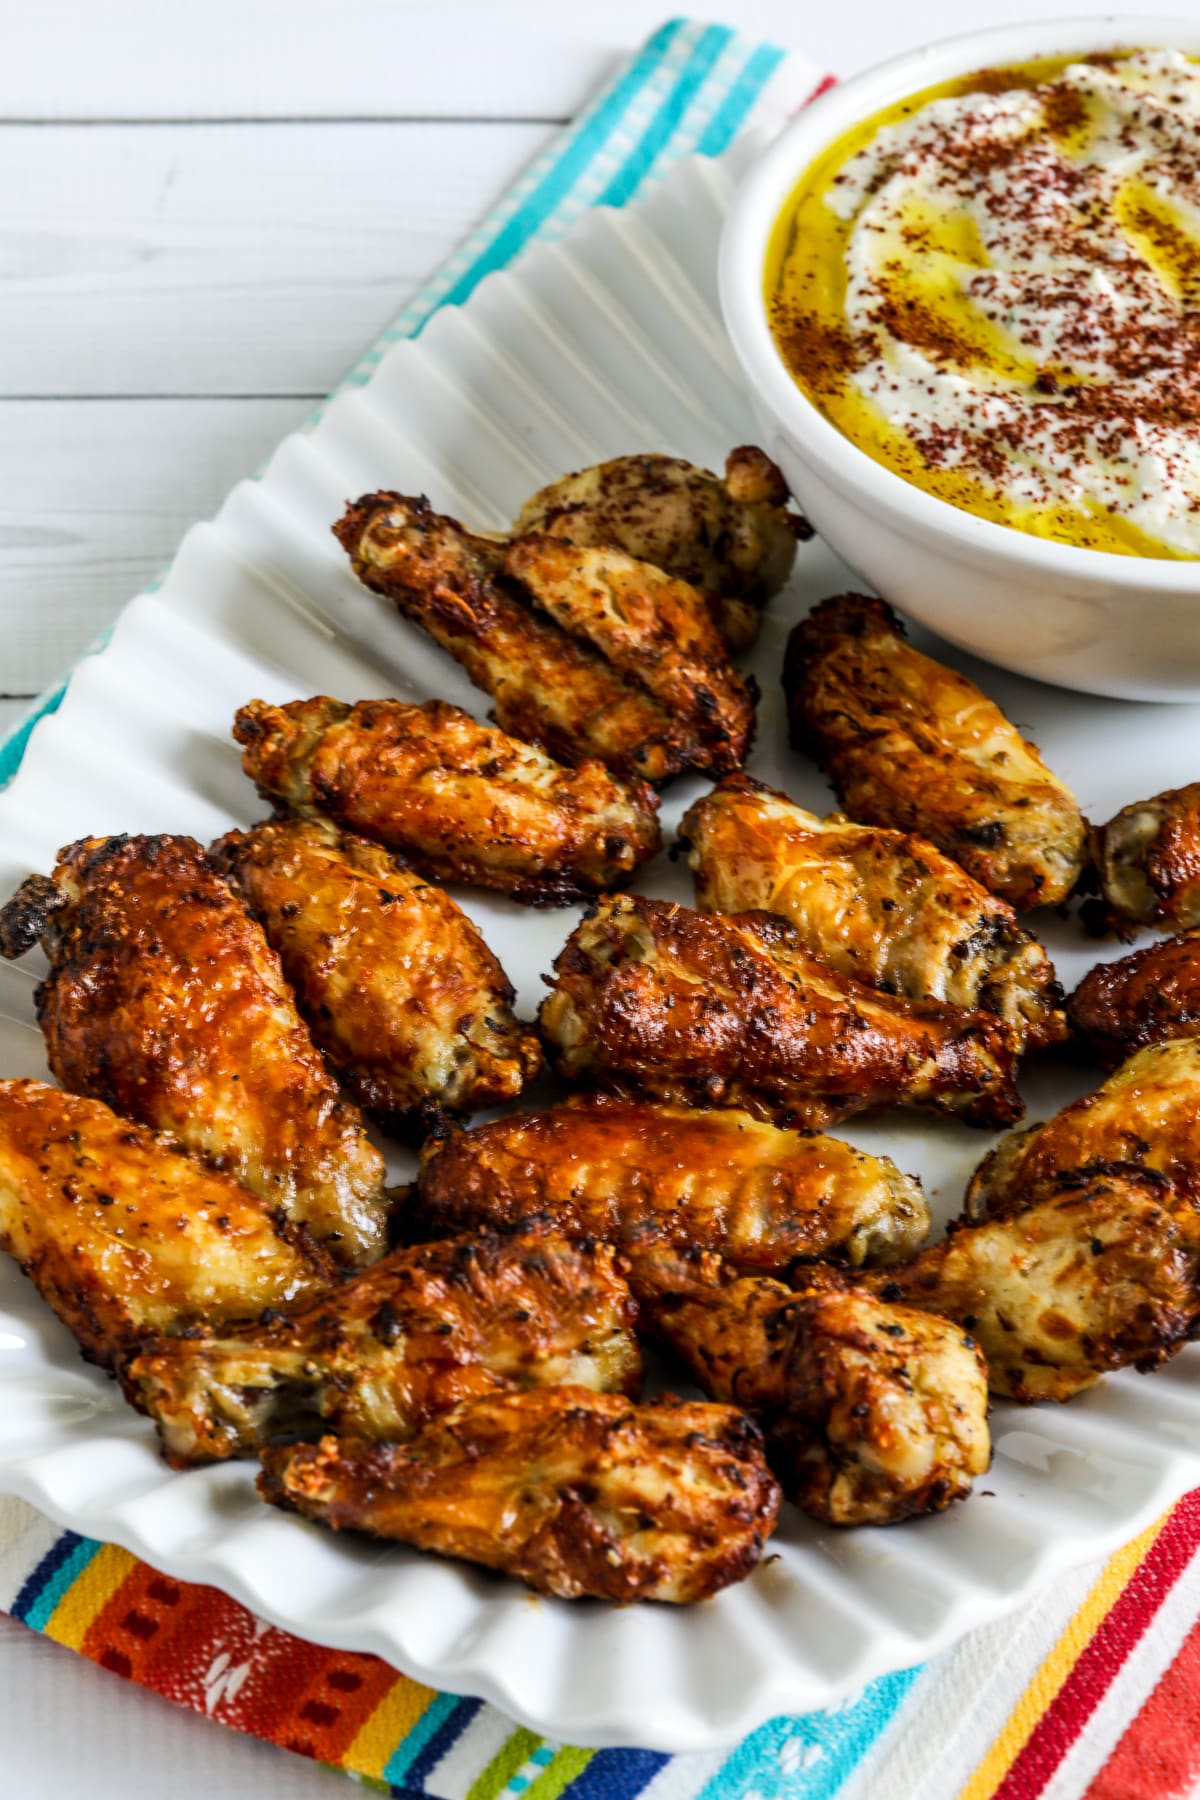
(913,745)
(1145,998)
(460,800)
(731,538)
(656,1000)
(397,985)
(573,1492)
(603,1167)
(872,1412)
(1148,862)
(563,666)
(651,627)
(885,907)
(1147,1113)
(1102,1275)
(413,1336)
(123,1235)
(165,1000)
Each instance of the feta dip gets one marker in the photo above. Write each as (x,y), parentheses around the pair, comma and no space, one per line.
(994,289)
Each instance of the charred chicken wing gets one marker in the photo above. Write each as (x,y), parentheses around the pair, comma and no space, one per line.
(460,800)
(731,538)
(1148,862)
(411,1337)
(652,628)
(872,1412)
(915,746)
(588,652)
(656,1000)
(1147,1112)
(575,1493)
(396,983)
(125,1236)
(885,907)
(165,1000)
(1102,1275)
(1146,998)
(603,1167)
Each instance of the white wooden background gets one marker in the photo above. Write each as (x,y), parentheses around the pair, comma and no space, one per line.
(207,209)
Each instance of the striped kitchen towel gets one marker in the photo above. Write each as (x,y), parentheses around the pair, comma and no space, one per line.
(1094,1691)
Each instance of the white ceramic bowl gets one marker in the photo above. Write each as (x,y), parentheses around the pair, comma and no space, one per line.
(1087,619)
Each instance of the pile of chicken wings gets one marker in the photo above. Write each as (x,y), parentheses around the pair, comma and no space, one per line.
(458,1365)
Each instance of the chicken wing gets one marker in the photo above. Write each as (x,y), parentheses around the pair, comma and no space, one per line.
(165,1000)
(564,668)
(397,985)
(575,1493)
(885,907)
(411,1337)
(123,1235)
(913,745)
(723,1181)
(659,1001)
(461,801)
(1146,998)
(872,1412)
(731,538)
(654,629)
(1148,862)
(1102,1275)
(1147,1113)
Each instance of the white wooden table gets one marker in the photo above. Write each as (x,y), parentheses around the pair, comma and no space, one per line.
(207,209)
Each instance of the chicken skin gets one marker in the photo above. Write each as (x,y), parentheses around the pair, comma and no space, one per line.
(165,1000)
(409,1338)
(124,1236)
(872,1412)
(1146,1113)
(603,1167)
(396,983)
(588,652)
(655,1000)
(575,1493)
(1102,1275)
(1145,998)
(459,800)
(914,746)
(652,628)
(731,538)
(885,907)
(1148,862)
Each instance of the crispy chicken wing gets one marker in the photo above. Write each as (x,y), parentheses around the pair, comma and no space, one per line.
(724,1181)
(872,1412)
(656,1000)
(733,539)
(652,628)
(573,1492)
(1147,1113)
(1145,998)
(413,1336)
(396,983)
(1101,1275)
(460,800)
(1148,862)
(123,1235)
(913,745)
(885,907)
(165,1000)
(588,652)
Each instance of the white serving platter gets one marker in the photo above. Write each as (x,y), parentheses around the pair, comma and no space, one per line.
(604,343)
